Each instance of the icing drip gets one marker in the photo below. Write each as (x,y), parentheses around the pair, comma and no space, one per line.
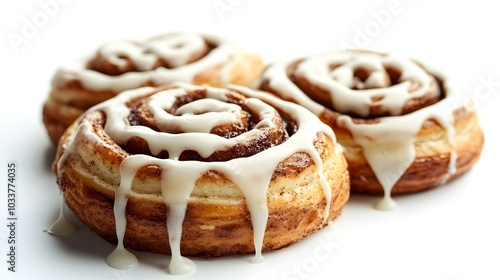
(179,177)
(452,167)
(178,264)
(121,258)
(62,226)
(185,54)
(388,144)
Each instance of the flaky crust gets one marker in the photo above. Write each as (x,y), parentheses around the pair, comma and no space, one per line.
(70,97)
(217,221)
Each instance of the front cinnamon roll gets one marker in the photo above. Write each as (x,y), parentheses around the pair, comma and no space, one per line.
(201,171)
(404,128)
(121,65)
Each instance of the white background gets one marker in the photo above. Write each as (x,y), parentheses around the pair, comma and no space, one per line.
(450,233)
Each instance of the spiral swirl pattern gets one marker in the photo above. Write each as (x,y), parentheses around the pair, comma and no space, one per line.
(360,83)
(173,57)
(122,65)
(198,124)
(174,50)
(398,120)
(162,142)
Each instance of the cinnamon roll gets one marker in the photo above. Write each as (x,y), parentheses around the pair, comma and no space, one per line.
(201,171)
(403,126)
(121,65)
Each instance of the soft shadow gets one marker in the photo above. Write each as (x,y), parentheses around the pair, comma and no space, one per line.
(84,242)
(363,199)
(48,158)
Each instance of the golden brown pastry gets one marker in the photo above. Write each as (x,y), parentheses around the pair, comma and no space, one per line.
(201,171)
(404,128)
(121,65)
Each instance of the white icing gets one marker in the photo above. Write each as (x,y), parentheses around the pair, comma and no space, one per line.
(452,167)
(189,117)
(121,258)
(178,178)
(175,216)
(62,226)
(279,81)
(175,48)
(387,145)
(386,203)
(340,81)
